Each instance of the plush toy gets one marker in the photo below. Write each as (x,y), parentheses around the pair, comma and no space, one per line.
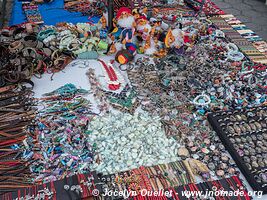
(125,25)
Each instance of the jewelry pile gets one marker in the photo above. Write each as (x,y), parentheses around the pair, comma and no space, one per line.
(160,81)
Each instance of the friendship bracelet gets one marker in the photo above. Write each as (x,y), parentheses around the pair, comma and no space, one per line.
(30,41)
(45,33)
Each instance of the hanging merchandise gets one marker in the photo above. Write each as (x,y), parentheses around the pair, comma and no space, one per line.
(17,116)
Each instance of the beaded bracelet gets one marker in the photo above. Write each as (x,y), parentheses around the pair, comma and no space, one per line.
(45,33)
(74,45)
(15,47)
(235,56)
(66,40)
(202,100)
(47,40)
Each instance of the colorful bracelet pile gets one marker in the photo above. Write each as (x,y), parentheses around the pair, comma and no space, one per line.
(63,148)
(144,122)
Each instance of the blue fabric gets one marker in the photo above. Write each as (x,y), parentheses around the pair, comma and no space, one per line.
(52,13)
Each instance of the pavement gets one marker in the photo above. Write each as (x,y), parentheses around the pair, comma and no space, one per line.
(253,13)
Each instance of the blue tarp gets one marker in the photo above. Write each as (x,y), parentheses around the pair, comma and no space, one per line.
(52,13)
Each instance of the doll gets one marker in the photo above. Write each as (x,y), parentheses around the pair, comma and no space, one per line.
(103,21)
(174,38)
(143,27)
(125,26)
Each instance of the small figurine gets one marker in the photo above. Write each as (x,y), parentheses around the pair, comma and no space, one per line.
(125,26)
(136,13)
(174,38)
(103,21)
(143,27)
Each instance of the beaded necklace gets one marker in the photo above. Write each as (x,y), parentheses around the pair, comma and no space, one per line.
(113,82)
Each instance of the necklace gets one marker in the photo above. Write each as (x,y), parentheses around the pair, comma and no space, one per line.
(113,82)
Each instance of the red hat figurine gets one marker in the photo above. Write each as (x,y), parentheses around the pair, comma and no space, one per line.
(123,10)
(142,17)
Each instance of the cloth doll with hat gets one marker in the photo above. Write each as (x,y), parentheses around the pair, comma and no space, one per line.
(143,27)
(125,25)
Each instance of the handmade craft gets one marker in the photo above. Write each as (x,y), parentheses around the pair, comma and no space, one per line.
(244,134)
(125,25)
(62,149)
(32,13)
(124,100)
(16,121)
(150,130)
(143,142)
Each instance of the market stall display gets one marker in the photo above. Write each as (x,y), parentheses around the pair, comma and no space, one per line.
(83,187)
(241,36)
(244,135)
(32,13)
(135,115)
